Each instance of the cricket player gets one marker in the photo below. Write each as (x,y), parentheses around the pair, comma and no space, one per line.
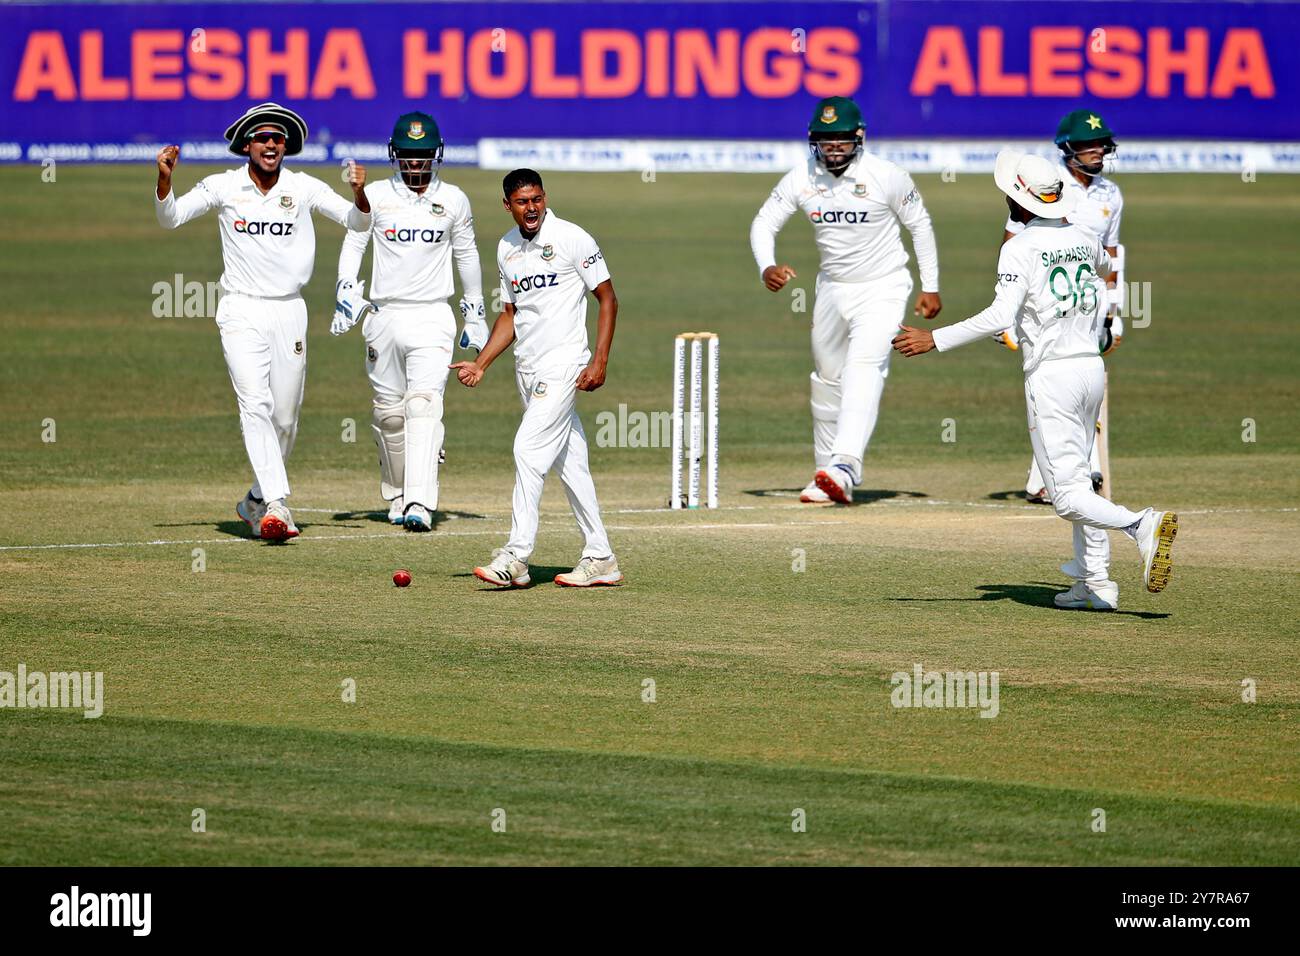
(420,224)
(1085,142)
(268,245)
(547,266)
(1049,288)
(855,202)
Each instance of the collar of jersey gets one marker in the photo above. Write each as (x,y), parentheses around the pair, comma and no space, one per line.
(409,194)
(274,190)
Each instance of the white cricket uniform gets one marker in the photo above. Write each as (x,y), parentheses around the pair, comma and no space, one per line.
(861,290)
(1049,289)
(409,339)
(547,279)
(1098,207)
(268,245)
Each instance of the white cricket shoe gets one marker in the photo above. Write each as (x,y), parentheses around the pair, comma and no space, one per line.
(836,482)
(1089,597)
(591,572)
(1155,540)
(505,570)
(812,495)
(417,518)
(277,524)
(251,511)
(397,511)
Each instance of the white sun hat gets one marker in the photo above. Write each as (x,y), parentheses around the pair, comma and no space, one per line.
(1034,183)
(273,116)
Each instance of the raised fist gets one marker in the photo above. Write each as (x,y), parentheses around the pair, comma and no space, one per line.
(356,177)
(168,156)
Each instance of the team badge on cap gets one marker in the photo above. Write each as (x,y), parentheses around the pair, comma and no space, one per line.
(829,115)
(416,130)
(548,252)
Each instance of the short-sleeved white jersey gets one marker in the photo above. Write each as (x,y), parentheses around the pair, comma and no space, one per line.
(1049,288)
(855,218)
(416,237)
(1098,207)
(547,279)
(268,242)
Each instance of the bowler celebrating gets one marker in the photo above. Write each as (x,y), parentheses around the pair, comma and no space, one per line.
(547,267)
(269,246)
(1085,142)
(419,224)
(1050,289)
(855,202)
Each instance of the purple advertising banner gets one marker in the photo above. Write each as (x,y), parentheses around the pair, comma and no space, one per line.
(132,73)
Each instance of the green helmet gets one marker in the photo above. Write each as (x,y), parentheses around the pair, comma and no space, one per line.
(836,114)
(1080,128)
(836,118)
(416,148)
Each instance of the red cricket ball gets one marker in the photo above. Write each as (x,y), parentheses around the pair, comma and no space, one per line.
(402,577)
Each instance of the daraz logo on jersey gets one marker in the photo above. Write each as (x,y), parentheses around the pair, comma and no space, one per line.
(540,281)
(837,215)
(263,228)
(413,235)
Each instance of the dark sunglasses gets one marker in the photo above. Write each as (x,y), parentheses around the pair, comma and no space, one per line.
(267,137)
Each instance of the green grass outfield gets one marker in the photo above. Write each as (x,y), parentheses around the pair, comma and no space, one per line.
(772,685)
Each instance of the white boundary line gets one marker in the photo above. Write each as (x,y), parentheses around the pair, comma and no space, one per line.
(682,525)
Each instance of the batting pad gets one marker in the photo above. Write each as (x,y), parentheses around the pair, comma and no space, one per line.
(424,434)
(389,425)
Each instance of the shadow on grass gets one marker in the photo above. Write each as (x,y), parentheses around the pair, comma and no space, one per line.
(382,516)
(1018,494)
(1037,594)
(537,573)
(861,496)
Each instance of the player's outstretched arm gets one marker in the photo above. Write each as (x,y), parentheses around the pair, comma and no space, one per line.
(173,212)
(912,341)
(503,333)
(593,376)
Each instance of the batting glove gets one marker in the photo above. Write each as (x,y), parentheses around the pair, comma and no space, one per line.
(1007,339)
(1111,334)
(474,329)
(350,305)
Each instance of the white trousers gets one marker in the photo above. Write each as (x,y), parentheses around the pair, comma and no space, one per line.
(551,436)
(1063,398)
(853,326)
(265,344)
(1034,482)
(408,349)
